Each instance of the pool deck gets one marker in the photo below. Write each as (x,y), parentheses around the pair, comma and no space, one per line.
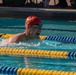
(43,13)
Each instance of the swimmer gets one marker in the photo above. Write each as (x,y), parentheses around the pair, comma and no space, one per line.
(33,29)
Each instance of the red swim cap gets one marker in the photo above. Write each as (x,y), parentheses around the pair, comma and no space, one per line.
(31,21)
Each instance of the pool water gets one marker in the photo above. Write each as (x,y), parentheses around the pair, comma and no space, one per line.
(50,27)
(43,44)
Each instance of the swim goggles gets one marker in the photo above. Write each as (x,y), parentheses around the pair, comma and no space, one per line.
(38,26)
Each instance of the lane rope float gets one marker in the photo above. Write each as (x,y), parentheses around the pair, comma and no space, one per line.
(31,71)
(38,53)
(54,38)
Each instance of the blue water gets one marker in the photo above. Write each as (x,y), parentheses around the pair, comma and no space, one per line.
(44,45)
(59,28)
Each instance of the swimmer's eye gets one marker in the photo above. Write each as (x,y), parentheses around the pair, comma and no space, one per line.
(38,25)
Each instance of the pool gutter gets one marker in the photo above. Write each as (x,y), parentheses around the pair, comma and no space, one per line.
(53,14)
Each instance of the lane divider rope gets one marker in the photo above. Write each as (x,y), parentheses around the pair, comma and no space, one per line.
(55,38)
(38,53)
(61,38)
(10,35)
(31,71)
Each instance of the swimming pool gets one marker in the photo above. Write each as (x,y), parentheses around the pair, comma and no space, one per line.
(50,28)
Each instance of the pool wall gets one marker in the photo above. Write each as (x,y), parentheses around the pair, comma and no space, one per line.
(49,14)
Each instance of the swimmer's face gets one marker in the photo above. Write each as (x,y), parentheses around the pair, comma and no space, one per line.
(35,32)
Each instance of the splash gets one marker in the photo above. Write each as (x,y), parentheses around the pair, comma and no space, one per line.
(28,44)
(2,43)
(34,44)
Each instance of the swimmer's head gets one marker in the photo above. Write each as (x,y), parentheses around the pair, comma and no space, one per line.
(33,21)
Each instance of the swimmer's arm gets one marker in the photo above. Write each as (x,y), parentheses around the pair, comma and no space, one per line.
(16,38)
(8,41)
(13,39)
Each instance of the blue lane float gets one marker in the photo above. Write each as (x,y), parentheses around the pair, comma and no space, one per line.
(8,70)
(11,71)
(61,38)
(72,55)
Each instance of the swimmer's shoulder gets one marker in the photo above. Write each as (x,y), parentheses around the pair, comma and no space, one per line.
(17,37)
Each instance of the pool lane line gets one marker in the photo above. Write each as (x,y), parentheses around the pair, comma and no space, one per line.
(38,53)
(53,38)
(10,35)
(32,71)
